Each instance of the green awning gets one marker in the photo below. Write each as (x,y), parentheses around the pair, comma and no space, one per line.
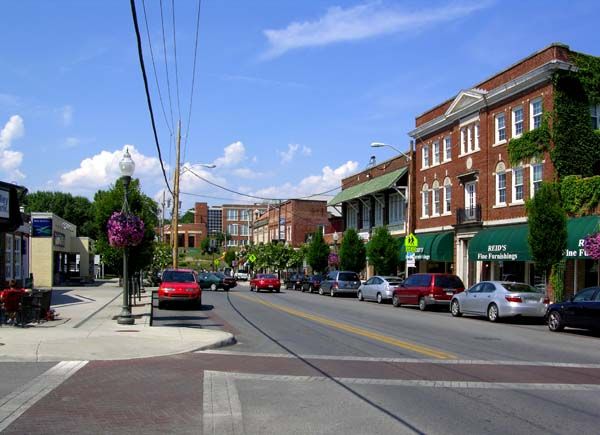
(368,187)
(507,243)
(577,229)
(432,247)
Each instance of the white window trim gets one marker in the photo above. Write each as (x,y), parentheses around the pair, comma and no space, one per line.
(447,212)
(496,131)
(497,203)
(439,197)
(393,197)
(514,187)
(425,157)
(435,145)
(476,131)
(513,118)
(531,180)
(531,114)
(8,257)
(463,141)
(424,201)
(447,155)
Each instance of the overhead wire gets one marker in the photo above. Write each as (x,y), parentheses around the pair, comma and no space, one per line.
(154,69)
(164,40)
(175,54)
(187,132)
(148,99)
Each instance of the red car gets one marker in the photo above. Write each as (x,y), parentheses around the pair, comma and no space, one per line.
(265,281)
(179,285)
(427,289)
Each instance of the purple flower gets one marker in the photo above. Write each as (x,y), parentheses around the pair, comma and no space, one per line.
(124,230)
(591,245)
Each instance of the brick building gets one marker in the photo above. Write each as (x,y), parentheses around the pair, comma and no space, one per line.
(237,221)
(468,196)
(191,235)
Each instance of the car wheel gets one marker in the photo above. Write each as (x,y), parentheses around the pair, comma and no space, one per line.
(396,301)
(379,298)
(277,290)
(555,322)
(492,313)
(213,287)
(455,308)
(226,289)
(422,304)
(199,304)
(360,296)
(161,305)
(331,292)
(321,291)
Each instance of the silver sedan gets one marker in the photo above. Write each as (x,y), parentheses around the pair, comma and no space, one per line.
(378,288)
(496,299)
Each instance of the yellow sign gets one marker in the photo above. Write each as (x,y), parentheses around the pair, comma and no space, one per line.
(217,261)
(411,243)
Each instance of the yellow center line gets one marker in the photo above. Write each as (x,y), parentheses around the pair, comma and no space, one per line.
(354,329)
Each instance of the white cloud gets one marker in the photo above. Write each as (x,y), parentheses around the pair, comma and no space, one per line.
(67,115)
(102,169)
(360,22)
(233,155)
(328,179)
(247,173)
(288,156)
(10,160)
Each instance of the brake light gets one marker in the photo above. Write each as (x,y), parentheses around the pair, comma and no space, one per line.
(546,300)
(335,285)
(514,299)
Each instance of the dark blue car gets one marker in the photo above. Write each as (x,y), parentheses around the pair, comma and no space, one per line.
(580,311)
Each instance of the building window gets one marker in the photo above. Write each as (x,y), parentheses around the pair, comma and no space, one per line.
(244,215)
(8,260)
(447,148)
(425,156)
(595,116)
(288,233)
(447,196)
(469,139)
(476,138)
(18,258)
(425,201)
(463,141)
(351,216)
(232,229)
(500,184)
(436,153)
(470,200)
(500,128)
(366,216)
(517,184)
(243,230)
(517,121)
(378,213)
(535,109)
(232,214)
(396,209)
(536,177)
(436,199)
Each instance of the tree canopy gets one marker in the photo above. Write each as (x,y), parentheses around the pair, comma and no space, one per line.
(317,254)
(188,217)
(383,252)
(353,254)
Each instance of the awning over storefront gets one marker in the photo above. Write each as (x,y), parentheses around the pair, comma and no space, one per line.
(369,187)
(432,247)
(508,243)
(577,230)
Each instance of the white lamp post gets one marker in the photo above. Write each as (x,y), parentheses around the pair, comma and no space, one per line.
(127,167)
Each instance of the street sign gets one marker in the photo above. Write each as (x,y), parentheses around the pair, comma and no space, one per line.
(252,258)
(217,261)
(410,259)
(411,243)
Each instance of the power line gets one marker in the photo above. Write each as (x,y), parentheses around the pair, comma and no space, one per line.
(175,53)
(162,25)
(149,101)
(154,68)
(187,131)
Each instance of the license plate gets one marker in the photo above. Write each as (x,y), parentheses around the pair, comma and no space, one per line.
(270,286)
(449,293)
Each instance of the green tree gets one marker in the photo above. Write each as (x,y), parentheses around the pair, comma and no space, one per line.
(547,227)
(76,209)
(108,201)
(353,254)
(229,256)
(318,253)
(188,217)
(383,252)
(205,245)
(162,257)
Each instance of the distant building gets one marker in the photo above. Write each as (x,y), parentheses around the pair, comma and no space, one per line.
(14,235)
(215,220)
(238,220)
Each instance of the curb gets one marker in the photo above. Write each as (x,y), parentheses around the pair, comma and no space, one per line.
(229,341)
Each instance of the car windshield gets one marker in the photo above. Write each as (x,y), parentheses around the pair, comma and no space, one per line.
(220,274)
(448,281)
(267,276)
(177,276)
(515,287)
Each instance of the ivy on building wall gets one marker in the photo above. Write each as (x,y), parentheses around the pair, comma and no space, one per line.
(579,195)
(531,144)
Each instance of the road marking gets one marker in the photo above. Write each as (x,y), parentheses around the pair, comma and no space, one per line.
(222,407)
(354,330)
(404,360)
(16,403)
(414,383)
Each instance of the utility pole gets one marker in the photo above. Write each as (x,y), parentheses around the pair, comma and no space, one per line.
(162,221)
(175,222)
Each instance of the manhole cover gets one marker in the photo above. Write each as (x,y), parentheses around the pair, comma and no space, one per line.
(127,330)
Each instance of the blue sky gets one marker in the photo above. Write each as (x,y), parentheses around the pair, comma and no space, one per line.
(288,95)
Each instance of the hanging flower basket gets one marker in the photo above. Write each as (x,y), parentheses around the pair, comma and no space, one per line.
(124,230)
(591,245)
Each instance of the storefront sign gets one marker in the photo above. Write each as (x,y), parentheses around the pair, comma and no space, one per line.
(496,253)
(4,204)
(364,236)
(41,227)
(576,253)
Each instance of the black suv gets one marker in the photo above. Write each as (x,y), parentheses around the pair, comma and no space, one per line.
(312,283)
(294,281)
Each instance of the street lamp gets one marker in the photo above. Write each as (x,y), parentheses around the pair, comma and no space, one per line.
(409,194)
(127,166)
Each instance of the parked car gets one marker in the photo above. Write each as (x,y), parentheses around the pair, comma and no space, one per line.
(340,282)
(580,311)
(378,288)
(265,281)
(179,285)
(294,281)
(497,299)
(427,289)
(241,275)
(312,283)
(215,281)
